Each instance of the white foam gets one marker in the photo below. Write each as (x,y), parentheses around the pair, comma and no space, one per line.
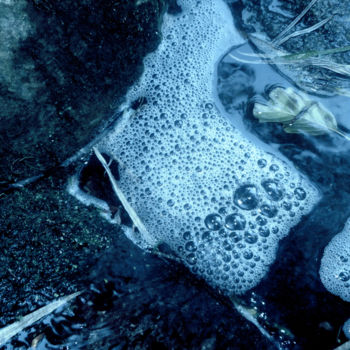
(335,264)
(197,184)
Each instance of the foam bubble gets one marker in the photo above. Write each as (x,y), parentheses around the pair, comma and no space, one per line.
(335,264)
(196,182)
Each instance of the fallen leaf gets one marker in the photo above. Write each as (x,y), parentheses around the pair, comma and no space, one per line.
(297,113)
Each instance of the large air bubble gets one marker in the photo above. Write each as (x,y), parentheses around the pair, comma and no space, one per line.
(196,183)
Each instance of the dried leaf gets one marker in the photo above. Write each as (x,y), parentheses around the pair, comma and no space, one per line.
(271,114)
(37,340)
(283,106)
(297,112)
(288,99)
(314,120)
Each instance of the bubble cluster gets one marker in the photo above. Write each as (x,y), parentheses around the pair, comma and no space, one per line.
(335,264)
(194,180)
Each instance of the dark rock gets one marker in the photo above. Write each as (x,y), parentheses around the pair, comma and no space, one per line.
(139,301)
(65,67)
(48,245)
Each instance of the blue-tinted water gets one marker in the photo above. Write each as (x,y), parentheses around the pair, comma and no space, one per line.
(137,300)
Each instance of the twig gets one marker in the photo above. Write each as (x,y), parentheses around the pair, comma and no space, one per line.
(11,330)
(251,316)
(293,23)
(303,31)
(129,209)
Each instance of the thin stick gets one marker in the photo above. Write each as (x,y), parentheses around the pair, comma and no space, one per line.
(10,331)
(293,23)
(250,315)
(303,31)
(129,209)
(337,131)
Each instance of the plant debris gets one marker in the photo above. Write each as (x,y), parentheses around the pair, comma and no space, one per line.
(11,330)
(297,113)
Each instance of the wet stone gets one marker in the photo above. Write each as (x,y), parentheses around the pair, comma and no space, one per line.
(60,76)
